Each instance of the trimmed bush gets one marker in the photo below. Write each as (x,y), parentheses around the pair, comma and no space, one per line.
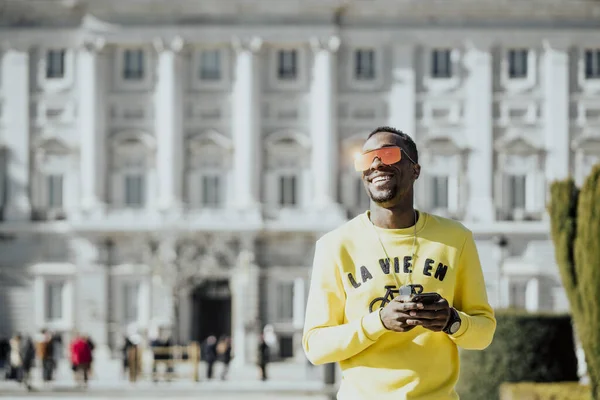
(526,348)
(544,391)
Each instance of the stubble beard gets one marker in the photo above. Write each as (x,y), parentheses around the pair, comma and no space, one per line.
(383,196)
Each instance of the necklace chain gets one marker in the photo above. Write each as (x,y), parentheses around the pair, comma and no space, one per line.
(413,246)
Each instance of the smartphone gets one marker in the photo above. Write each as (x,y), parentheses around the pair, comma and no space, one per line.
(426,298)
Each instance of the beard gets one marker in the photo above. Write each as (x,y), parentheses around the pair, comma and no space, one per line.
(383,196)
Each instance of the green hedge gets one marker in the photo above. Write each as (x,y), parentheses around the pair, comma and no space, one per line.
(544,391)
(526,348)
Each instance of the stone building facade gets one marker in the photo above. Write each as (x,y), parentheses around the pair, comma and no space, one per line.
(165,163)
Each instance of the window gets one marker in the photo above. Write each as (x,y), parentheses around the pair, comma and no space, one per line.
(439,192)
(592,64)
(362,197)
(3,177)
(364,64)
(211,191)
(131,291)
(55,191)
(285,301)
(517,297)
(287,62)
(134,190)
(441,63)
(287,191)
(54,301)
(210,65)
(517,191)
(133,65)
(55,64)
(517,63)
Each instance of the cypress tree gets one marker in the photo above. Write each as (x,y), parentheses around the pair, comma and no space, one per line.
(575,229)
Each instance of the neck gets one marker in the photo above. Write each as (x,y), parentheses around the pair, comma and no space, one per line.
(400,216)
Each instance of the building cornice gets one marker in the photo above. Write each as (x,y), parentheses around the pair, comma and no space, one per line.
(110,15)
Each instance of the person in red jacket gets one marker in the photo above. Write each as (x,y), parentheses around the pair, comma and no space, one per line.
(81,358)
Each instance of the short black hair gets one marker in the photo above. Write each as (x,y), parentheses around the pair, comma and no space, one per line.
(410,143)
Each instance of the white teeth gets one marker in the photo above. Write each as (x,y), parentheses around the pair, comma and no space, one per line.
(381,178)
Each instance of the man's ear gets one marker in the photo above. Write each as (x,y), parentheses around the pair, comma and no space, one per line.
(416,171)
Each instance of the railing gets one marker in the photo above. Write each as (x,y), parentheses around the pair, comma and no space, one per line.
(170,357)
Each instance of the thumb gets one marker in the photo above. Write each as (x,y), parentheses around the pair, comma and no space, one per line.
(404,298)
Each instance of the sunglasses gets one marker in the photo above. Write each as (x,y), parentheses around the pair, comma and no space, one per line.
(387,155)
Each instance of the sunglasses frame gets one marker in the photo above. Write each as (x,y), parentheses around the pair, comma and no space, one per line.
(382,148)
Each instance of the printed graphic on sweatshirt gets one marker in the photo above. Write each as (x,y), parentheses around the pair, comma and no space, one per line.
(391,291)
(430,268)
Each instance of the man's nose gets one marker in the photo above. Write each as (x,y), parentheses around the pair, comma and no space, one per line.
(376,164)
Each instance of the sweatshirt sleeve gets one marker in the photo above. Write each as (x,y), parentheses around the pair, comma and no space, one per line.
(471,301)
(326,338)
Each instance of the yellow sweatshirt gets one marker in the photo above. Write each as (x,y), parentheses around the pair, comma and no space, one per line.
(349,278)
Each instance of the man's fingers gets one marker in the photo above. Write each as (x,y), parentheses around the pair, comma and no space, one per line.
(402,307)
(437,306)
(422,314)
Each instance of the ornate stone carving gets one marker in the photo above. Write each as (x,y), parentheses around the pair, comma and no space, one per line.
(556,45)
(331,44)
(19,47)
(253,44)
(93,45)
(175,45)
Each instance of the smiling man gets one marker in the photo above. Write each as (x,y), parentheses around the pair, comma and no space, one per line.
(395,291)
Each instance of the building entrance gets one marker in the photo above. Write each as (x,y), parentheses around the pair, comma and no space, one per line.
(211,311)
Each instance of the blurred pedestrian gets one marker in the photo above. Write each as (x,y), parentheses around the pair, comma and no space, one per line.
(210,355)
(263,357)
(224,354)
(4,356)
(45,350)
(81,358)
(127,346)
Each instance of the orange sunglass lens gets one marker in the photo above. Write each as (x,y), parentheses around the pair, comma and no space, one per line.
(387,155)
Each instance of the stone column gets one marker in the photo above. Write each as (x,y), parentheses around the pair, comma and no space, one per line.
(245,312)
(168,118)
(15,79)
(402,96)
(298,314)
(92,73)
(555,83)
(92,302)
(323,123)
(479,130)
(246,106)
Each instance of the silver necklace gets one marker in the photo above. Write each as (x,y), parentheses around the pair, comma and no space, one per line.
(413,246)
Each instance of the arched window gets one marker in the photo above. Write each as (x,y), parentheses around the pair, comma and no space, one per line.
(53,168)
(441,187)
(133,176)
(208,170)
(520,183)
(3,176)
(587,154)
(288,169)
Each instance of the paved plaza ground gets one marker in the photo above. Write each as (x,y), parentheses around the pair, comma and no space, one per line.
(287,381)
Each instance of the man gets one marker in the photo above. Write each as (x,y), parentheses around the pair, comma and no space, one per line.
(46,355)
(393,346)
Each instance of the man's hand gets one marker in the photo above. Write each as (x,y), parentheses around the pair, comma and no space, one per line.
(396,313)
(434,316)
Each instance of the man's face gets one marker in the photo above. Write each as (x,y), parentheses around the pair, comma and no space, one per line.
(388,184)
